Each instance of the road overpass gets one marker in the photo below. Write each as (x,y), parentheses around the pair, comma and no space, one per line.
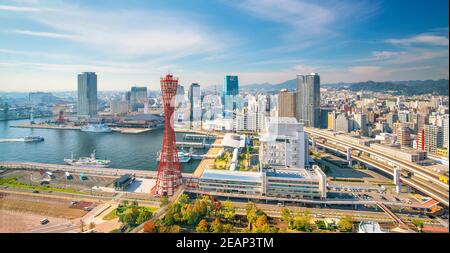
(424,180)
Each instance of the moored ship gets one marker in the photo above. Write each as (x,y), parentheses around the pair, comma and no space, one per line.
(96,128)
(88,161)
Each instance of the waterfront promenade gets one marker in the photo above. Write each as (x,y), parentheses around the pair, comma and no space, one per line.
(86,170)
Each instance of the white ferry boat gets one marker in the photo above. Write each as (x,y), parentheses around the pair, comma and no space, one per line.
(88,161)
(33,139)
(96,128)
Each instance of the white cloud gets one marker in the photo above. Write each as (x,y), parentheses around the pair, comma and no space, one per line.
(131,33)
(18,8)
(387,54)
(422,39)
(44,34)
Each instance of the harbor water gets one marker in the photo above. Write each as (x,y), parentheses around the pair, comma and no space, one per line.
(128,151)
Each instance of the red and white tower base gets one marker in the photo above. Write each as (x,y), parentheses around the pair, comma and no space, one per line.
(169,169)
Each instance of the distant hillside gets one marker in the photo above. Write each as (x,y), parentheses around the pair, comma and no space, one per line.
(415,87)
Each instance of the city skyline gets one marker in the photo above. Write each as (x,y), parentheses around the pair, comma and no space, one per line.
(259,41)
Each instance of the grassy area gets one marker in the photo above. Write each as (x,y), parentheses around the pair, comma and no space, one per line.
(111,215)
(12,182)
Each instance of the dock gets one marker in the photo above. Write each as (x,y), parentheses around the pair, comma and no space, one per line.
(47,126)
(208,158)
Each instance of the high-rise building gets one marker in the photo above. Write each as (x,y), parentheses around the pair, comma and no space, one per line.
(430,138)
(195,102)
(342,123)
(404,136)
(230,90)
(284,144)
(391,118)
(308,100)
(445,129)
(87,94)
(138,98)
(361,123)
(286,103)
(324,117)
(331,120)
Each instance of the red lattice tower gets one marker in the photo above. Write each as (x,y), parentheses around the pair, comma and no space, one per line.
(169,171)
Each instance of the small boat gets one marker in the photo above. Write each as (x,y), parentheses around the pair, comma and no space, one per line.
(96,128)
(33,139)
(183,157)
(88,161)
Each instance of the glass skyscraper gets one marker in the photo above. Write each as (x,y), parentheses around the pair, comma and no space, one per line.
(87,94)
(230,89)
(308,100)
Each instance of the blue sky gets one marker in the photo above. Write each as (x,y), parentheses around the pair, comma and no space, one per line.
(44,44)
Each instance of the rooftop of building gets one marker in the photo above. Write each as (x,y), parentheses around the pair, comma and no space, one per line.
(233,140)
(295,173)
(246,176)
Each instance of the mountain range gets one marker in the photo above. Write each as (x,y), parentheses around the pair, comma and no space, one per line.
(413,87)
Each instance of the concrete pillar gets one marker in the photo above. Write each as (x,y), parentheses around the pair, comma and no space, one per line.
(398,185)
(313,144)
(349,156)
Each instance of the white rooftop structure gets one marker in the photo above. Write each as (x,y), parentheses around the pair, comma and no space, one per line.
(369,227)
(233,141)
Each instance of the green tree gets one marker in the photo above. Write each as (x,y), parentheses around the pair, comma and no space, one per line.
(216,226)
(129,217)
(184,199)
(202,227)
(251,210)
(302,222)
(286,215)
(164,201)
(418,224)
(346,223)
(320,224)
(261,225)
(228,228)
(228,210)
(144,215)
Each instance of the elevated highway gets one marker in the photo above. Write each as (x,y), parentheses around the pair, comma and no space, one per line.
(421,179)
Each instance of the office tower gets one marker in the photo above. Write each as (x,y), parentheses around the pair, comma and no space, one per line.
(342,123)
(422,120)
(331,120)
(430,138)
(391,118)
(286,103)
(87,94)
(195,102)
(403,117)
(361,123)
(127,98)
(445,129)
(268,106)
(284,144)
(404,136)
(138,98)
(308,100)
(169,169)
(230,90)
(324,117)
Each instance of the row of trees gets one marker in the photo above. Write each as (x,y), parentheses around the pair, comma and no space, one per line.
(257,220)
(303,222)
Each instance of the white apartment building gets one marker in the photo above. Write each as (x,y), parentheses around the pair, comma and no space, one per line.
(284,144)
